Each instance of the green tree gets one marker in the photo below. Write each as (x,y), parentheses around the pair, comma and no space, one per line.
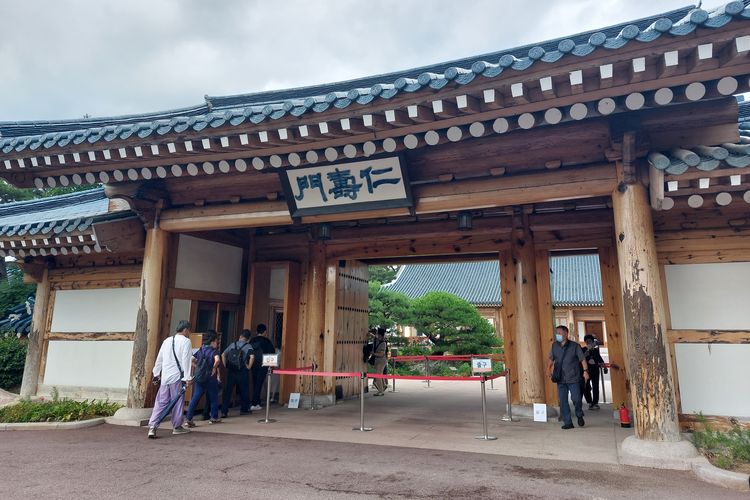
(452,324)
(13,290)
(383,274)
(10,193)
(387,308)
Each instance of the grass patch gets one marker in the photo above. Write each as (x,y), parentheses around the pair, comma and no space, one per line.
(57,410)
(728,450)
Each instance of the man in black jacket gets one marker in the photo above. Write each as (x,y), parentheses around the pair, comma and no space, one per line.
(261,345)
(594,361)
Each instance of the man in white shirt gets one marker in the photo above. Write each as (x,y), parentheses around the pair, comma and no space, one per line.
(173,368)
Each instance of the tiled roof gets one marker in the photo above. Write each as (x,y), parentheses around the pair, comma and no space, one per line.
(54,215)
(259,107)
(576,281)
(18,320)
(706,158)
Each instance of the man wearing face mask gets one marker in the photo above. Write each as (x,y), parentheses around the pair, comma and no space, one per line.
(566,360)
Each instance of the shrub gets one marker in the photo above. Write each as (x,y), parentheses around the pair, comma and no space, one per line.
(60,410)
(12,360)
(724,449)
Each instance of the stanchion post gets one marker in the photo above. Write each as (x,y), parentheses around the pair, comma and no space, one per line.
(485,437)
(362,385)
(394,352)
(312,388)
(604,390)
(508,417)
(427,369)
(268,398)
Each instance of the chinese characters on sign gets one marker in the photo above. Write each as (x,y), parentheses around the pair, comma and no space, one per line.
(352,186)
(481,365)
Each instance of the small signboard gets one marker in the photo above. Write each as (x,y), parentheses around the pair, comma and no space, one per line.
(270,360)
(293,400)
(347,187)
(481,365)
(540,412)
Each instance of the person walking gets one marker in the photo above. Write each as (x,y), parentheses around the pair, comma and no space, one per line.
(261,345)
(207,377)
(566,360)
(380,357)
(173,370)
(594,361)
(238,357)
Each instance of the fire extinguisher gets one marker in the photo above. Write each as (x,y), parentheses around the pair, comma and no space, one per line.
(624,416)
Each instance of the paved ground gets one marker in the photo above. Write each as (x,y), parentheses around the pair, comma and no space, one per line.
(119,462)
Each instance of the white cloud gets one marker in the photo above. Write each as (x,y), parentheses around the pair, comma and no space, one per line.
(67,58)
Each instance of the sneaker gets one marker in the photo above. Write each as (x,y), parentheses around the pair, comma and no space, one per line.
(190,424)
(256,407)
(581,422)
(594,407)
(151,433)
(214,421)
(591,407)
(567,426)
(378,394)
(180,430)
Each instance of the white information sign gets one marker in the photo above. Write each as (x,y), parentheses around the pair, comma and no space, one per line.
(293,400)
(540,412)
(271,360)
(481,365)
(360,185)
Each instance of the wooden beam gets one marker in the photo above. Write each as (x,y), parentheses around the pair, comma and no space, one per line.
(126,235)
(708,336)
(186,294)
(239,215)
(104,336)
(507,313)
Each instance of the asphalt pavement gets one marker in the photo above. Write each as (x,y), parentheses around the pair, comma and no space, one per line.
(119,462)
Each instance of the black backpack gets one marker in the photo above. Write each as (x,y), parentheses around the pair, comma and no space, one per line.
(367,352)
(204,367)
(234,357)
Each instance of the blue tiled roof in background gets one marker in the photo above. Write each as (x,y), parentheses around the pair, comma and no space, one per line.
(56,214)
(258,107)
(19,317)
(576,281)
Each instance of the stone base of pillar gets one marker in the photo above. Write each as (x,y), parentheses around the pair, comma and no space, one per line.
(135,417)
(676,455)
(526,412)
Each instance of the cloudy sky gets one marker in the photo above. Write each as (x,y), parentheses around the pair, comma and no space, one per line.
(68,58)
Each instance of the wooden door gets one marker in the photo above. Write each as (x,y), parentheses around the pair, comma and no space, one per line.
(351,322)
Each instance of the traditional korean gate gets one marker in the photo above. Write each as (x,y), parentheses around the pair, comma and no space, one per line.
(350,321)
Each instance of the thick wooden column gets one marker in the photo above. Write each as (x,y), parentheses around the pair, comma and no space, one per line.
(648,363)
(314,331)
(507,316)
(546,319)
(526,317)
(35,345)
(146,338)
(616,341)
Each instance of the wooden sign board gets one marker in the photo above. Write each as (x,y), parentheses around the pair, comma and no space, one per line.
(371,184)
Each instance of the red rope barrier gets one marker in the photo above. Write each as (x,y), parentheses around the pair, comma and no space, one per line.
(317,374)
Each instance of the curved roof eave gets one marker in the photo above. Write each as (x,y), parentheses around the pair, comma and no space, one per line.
(259,107)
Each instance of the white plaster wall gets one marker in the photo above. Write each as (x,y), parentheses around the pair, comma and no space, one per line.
(100,310)
(714,378)
(180,311)
(208,266)
(709,296)
(90,363)
(278,277)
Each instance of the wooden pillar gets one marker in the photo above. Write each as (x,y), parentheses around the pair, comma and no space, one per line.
(35,345)
(146,338)
(314,331)
(616,347)
(526,317)
(507,315)
(546,319)
(648,363)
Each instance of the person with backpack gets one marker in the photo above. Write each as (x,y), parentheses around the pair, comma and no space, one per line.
(566,360)
(238,357)
(206,377)
(172,372)
(379,358)
(261,345)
